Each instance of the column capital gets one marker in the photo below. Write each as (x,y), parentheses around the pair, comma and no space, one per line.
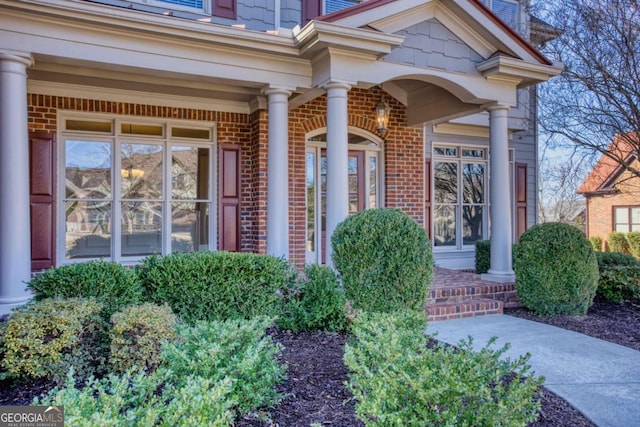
(496,106)
(337,85)
(23,58)
(277,91)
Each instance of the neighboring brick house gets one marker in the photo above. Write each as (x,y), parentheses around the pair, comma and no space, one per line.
(137,127)
(612,193)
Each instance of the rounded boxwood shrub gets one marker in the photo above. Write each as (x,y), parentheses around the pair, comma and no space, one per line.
(113,284)
(48,338)
(384,260)
(137,336)
(556,270)
(217,285)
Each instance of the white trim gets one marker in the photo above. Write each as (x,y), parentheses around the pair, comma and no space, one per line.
(128,96)
(116,138)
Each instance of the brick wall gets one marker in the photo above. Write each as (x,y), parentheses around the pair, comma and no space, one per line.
(600,207)
(403,153)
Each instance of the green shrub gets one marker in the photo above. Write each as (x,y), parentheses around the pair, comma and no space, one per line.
(618,242)
(48,338)
(137,336)
(114,285)
(235,349)
(556,270)
(398,380)
(318,303)
(634,243)
(596,243)
(216,285)
(619,276)
(384,260)
(144,400)
(483,256)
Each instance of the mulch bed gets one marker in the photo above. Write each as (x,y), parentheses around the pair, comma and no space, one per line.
(315,392)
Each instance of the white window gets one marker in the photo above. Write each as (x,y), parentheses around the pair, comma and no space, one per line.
(134,188)
(460,213)
(626,218)
(196,6)
(365,187)
(507,10)
(335,5)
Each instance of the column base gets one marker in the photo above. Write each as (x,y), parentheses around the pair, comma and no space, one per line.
(8,304)
(499,276)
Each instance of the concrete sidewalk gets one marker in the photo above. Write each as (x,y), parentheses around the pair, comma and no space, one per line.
(600,379)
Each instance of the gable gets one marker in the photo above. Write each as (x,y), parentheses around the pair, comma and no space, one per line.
(470,20)
(608,172)
(431,44)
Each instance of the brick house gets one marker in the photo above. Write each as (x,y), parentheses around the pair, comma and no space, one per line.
(612,193)
(137,127)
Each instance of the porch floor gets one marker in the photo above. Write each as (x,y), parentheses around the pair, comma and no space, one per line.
(456,294)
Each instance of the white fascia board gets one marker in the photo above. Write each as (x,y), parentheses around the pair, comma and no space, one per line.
(526,73)
(316,36)
(83,13)
(136,51)
(127,96)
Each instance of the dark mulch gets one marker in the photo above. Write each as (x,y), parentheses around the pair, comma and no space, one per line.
(610,321)
(315,393)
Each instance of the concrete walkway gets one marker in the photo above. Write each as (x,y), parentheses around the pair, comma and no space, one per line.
(600,379)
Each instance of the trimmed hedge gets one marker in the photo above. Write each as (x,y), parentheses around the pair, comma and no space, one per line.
(47,339)
(619,276)
(113,284)
(216,285)
(384,260)
(556,270)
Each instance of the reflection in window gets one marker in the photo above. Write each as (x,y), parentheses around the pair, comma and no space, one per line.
(459,197)
(128,190)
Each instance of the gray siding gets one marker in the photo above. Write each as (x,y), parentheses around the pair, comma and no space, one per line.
(526,151)
(431,44)
(290,13)
(258,15)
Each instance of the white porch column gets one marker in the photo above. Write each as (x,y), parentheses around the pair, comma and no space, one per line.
(501,269)
(337,160)
(15,227)
(278,173)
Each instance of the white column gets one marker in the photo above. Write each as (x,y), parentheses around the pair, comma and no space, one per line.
(278,173)
(501,269)
(15,231)
(337,160)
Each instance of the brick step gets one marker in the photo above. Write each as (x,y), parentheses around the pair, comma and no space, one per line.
(446,310)
(461,292)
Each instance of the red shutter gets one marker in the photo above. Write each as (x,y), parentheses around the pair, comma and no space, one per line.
(229,211)
(42,172)
(224,8)
(311,9)
(521,199)
(427,196)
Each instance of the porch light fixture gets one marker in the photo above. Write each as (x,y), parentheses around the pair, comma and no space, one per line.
(383,111)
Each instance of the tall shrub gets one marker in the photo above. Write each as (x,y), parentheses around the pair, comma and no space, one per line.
(216,285)
(618,242)
(556,270)
(384,259)
(113,284)
(596,243)
(634,243)
(619,276)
